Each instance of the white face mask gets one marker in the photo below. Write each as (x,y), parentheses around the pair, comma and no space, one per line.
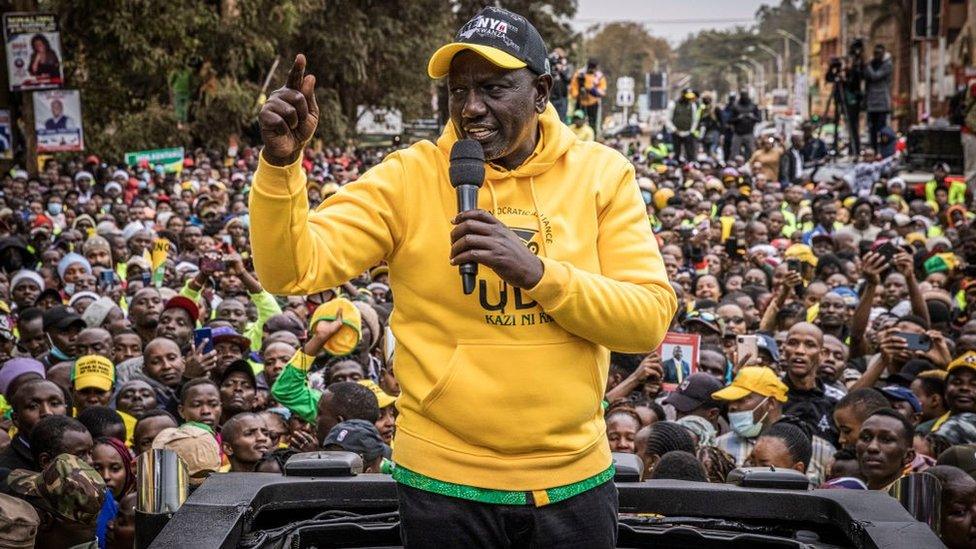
(745,424)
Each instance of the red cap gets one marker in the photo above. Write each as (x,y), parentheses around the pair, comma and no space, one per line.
(185,303)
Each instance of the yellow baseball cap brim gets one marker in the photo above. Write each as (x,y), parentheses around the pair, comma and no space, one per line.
(93,380)
(440,63)
(731,393)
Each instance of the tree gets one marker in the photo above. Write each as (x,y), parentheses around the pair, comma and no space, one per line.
(627,49)
(710,56)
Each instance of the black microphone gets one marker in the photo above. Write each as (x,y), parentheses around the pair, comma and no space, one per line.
(467,175)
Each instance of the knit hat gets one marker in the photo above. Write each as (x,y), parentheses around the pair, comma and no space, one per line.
(93,371)
(131,229)
(941,263)
(346,339)
(96,312)
(69,260)
(801,252)
(16,367)
(95,242)
(371,319)
(24,275)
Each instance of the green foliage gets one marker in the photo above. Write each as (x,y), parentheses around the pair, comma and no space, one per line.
(126,55)
(709,55)
(626,49)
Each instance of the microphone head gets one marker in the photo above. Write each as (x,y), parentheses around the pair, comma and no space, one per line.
(467,163)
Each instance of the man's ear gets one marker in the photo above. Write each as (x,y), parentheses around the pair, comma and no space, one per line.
(226,447)
(909,456)
(543,85)
(801,467)
(43,459)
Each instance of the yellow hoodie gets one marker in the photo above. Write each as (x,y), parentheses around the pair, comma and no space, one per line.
(502,388)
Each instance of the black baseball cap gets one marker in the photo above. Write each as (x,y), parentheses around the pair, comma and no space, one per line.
(358,436)
(506,39)
(695,391)
(60,317)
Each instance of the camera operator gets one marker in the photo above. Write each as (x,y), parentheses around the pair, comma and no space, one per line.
(853,91)
(559,96)
(877,76)
(587,87)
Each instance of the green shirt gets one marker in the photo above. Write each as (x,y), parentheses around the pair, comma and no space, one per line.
(291,389)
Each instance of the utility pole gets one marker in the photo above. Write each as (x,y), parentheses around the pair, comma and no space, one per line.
(27,107)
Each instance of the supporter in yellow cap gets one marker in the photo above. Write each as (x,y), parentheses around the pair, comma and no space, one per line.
(755,400)
(386,424)
(92,380)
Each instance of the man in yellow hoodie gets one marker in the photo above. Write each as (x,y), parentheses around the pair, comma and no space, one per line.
(500,438)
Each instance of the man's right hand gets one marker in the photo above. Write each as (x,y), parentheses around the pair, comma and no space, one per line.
(289,117)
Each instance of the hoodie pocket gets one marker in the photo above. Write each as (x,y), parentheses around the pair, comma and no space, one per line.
(516,399)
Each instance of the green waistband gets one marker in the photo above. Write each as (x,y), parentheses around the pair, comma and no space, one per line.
(499,497)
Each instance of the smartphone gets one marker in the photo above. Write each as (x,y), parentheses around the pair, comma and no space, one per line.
(916,342)
(212,264)
(201,334)
(106,279)
(888,250)
(747,345)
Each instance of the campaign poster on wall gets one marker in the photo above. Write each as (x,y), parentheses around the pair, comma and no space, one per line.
(34,56)
(57,121)
(6,136)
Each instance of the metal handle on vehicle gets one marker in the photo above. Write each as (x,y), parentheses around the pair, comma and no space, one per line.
(921,495)
(163,485)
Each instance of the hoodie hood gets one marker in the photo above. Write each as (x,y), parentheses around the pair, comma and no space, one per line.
(555,139)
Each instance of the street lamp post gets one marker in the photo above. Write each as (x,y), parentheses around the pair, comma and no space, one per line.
(790,37)
(761,70)
(750,74)
(779,63)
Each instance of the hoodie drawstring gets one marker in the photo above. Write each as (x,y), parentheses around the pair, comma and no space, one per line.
(538,217)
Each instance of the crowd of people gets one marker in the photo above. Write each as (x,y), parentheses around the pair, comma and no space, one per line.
(836,326)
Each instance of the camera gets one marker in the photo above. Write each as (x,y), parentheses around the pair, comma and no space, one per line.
(835,70)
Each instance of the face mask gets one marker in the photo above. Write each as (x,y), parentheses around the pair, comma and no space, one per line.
(744,424)
(69,288)
(58,353)
(54,208)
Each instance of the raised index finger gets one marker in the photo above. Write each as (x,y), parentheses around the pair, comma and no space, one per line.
(296,74)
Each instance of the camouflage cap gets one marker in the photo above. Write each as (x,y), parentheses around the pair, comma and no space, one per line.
(67,487)
(18,522)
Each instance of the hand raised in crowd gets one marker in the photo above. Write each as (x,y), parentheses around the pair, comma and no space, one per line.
(872,266)
(479,237)
(303,441)
(324,329)
(235,263)
(787,286)
(289,117)
(893,348)
(939,353)
(905,265)
(200,363)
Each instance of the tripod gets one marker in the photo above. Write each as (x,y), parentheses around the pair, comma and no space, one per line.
(840,109)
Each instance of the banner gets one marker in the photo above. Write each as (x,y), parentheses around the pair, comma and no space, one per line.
(160,252)
(6,136)
(34,54)
(170,159)
(57,121)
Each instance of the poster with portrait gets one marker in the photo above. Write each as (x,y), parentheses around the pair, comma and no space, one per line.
(34,56)
(57,121)
(679,357)
(6,136)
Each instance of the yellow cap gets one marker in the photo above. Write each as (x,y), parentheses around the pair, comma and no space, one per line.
(661,198)
(381,396)
(346,339)
(753,379)
(913,238)
(801,252)
(93,371)
(440,62)
(967,360)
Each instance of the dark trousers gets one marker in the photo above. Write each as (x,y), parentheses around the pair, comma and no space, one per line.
(588,520)
(593,116)
(876,121)
(686,147)
(854,127)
